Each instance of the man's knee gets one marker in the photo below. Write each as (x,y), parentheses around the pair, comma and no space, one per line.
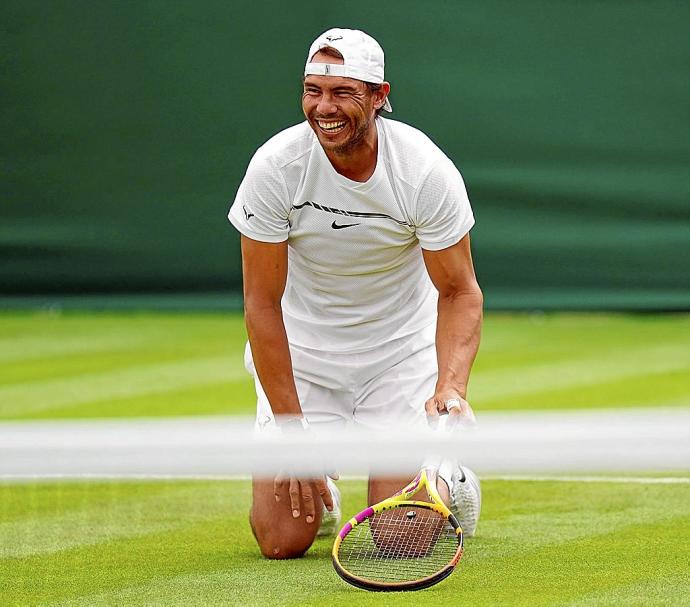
(276,543)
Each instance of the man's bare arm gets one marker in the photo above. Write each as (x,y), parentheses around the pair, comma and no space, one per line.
(264,270)
(459,320)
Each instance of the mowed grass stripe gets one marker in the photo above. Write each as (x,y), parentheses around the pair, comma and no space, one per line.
(174,507)
(258,583)
(513,524)
(548,570)
(565,572)
(142,379)
(75,366)
(663,389)
(23,335)
(596,367)
(222,398)
(26,348)
(538,544)
(37,500)
(158,511)
(526,361)
(157,341)
(536,338)
(150,325)
(208,541)
(640,593)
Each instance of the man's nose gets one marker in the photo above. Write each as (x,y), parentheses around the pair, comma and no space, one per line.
(326,105)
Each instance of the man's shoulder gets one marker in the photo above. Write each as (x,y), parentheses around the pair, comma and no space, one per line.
(286,146)
(411,152)
(403,134)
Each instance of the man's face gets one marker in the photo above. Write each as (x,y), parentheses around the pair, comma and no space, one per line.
(340,110)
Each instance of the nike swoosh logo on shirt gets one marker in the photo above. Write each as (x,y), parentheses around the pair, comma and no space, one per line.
(340,226)
(351,214)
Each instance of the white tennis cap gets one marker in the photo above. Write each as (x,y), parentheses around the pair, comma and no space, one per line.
(362,56)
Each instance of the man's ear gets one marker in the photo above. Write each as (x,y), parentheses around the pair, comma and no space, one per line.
(381,95)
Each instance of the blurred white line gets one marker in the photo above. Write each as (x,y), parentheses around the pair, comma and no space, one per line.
(642,480)
(534,443)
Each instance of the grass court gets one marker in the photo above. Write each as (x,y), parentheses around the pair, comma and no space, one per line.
(78,365)
(188,542)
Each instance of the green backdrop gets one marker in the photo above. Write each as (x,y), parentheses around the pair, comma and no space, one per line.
(127,126)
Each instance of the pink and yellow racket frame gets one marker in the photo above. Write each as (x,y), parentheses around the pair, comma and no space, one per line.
(426,479)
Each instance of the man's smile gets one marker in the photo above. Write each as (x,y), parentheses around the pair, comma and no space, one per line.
(331,126)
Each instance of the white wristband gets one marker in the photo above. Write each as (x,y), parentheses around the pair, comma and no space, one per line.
(453,403)
(290,423)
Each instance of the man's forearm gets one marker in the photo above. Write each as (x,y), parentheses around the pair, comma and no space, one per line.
(272,361)
(458,332)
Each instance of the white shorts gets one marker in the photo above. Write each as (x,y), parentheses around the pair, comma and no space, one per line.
(374,388)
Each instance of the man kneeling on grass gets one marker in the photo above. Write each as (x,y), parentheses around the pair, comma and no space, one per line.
(361,301)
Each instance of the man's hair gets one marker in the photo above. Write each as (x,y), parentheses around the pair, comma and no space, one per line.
(373,87)
(332,52)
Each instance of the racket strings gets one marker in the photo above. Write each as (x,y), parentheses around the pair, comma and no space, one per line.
(399,545)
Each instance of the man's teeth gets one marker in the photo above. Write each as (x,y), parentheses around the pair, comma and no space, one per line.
(331,126)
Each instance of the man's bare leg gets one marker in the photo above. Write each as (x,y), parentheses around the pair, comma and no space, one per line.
(279,534)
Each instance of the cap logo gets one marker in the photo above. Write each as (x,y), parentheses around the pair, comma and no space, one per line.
(333,38)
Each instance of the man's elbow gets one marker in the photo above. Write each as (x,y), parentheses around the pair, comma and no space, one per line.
(470,295)
(479,295)
(260,307)
(475,301)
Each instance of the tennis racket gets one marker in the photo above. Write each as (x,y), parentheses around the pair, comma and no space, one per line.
(399,543)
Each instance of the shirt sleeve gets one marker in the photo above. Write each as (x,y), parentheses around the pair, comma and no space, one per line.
(260,210)
(443,212)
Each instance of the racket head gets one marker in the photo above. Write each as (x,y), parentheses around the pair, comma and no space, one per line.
(398,545)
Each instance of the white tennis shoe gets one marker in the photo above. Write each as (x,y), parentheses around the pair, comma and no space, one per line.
(466,499)
(330,521)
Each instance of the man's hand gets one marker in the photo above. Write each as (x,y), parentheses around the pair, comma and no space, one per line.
(449,401)
(306,489)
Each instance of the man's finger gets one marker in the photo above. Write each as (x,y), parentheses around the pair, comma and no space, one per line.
(467,413)
(308,501)
(278,483)
(459,414)
(294,496)
(431,408)
(432,416)
(452,406)
(325,493)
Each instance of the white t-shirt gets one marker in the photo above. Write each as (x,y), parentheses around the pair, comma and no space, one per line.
(356,276)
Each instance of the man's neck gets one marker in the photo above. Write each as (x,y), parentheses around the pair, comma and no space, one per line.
(358,164)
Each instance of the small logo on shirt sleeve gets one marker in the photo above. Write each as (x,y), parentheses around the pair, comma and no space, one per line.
(247,214)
